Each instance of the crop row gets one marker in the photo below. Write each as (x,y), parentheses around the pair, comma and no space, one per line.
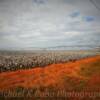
(13,62)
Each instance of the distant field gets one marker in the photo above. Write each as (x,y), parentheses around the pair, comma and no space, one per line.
(14,60)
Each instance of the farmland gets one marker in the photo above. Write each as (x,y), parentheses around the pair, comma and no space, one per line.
(50,72)
(11,61)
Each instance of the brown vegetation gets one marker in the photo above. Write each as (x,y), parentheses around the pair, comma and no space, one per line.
(79,75)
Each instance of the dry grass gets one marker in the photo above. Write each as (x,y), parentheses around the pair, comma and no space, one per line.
(90,69)
(68,76)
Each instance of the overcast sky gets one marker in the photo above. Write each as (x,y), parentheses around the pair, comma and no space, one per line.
(26,24)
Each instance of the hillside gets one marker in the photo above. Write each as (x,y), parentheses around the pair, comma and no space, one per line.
(77,75)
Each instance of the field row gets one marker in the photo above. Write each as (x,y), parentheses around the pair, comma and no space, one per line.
(12,62)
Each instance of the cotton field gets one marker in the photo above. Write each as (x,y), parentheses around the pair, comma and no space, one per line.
(11,61)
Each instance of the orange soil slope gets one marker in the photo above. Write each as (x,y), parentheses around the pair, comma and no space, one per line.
(52,75)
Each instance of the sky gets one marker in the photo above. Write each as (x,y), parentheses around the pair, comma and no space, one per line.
(26,24)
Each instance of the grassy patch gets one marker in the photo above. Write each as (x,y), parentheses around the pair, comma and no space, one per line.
(74,83)
(90,69)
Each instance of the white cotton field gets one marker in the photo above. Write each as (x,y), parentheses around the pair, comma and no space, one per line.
(14,60)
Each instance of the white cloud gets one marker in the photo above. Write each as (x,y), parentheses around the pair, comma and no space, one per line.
(72,33)
(30,23)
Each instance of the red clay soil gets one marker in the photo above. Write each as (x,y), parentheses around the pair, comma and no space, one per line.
(46,76)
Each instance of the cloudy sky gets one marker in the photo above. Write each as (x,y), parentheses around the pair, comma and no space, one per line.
(26,24)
